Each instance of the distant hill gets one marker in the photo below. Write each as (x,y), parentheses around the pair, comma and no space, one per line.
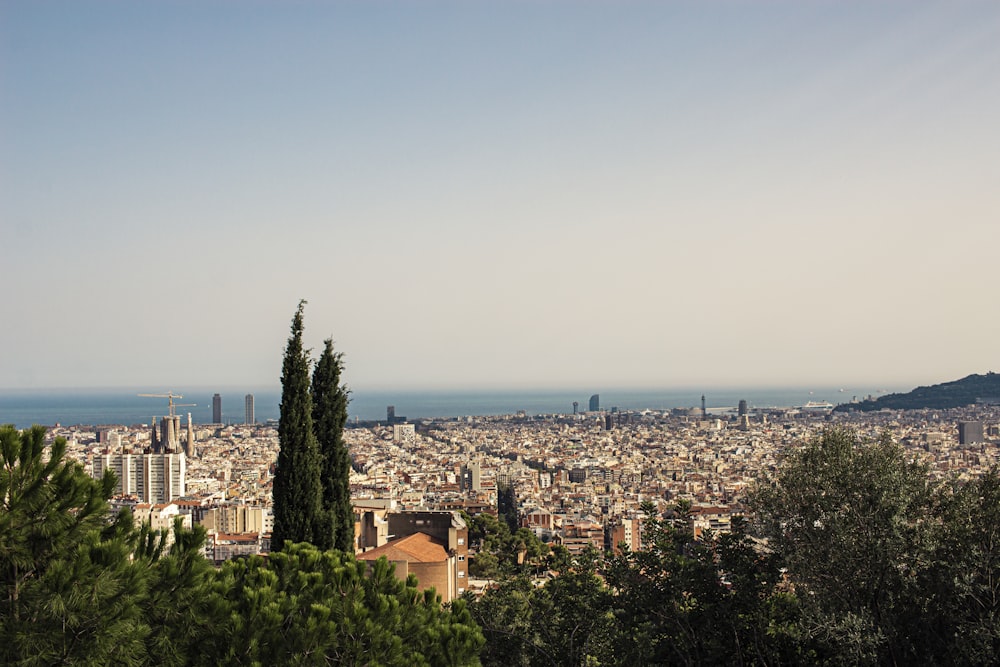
(968,390)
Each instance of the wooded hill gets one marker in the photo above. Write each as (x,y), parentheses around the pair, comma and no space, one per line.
(957,394)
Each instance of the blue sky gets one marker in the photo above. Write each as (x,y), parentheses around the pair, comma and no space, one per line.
(502,194)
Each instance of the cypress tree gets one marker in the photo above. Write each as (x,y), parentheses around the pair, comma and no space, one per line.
(329,416)
(297,490)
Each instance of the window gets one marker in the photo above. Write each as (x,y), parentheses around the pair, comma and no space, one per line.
(461,558)
(461,573)
(461,541)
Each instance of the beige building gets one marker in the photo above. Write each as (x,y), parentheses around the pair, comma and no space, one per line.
(433,546)
(161,517)
(238,519)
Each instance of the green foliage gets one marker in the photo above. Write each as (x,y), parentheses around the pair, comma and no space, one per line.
(68,586)
(501,552)
(507,505)
(568,621)
(849,519)
(297,492)
(698,602)
(178,606)
(304,606)
(49,504)
(330,400)
(957,621)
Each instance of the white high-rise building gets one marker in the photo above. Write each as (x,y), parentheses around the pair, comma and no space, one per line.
(152,478)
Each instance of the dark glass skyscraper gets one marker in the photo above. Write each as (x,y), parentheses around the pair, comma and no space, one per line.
(595,402)
(249,409)
(970,433)
(217,409)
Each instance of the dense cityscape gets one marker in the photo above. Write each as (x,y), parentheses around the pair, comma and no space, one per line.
(579,479)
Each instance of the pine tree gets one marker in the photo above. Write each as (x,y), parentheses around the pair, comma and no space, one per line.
(297,491)
(329,416)
(303,606)
(70,590)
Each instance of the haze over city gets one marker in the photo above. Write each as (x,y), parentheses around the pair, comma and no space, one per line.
(502,194)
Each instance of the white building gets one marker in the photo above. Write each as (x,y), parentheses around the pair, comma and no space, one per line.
(403,433)
(152,478)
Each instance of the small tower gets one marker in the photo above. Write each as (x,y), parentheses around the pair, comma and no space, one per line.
(189,444)
(154,445)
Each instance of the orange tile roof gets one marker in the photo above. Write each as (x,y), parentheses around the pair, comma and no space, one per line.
(415,548)
(236,537)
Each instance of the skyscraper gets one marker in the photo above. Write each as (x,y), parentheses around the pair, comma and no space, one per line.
(970,432)
(595,402)
(472,476)
(152,478)
(217,409)
(742,409)
(249,406)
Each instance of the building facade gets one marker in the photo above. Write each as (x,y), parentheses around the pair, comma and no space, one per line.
(248,402)
(433,546)
(152,478)
(970,433)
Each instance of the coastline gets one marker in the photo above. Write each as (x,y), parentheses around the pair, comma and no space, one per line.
(123,406)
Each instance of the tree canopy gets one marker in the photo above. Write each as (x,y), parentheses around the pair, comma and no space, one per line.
(297,491)
(330,399)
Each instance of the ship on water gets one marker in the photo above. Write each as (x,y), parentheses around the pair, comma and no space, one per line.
(818,405)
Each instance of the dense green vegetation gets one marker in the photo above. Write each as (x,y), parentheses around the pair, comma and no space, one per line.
(83,588)
(312,493)
(957,394)
(297,492)
(330,400)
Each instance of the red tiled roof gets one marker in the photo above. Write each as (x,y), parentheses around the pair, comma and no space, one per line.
(415,548)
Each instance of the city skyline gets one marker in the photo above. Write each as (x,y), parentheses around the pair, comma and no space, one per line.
(499,195)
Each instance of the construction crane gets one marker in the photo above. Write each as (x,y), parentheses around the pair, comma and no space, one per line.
(170,396)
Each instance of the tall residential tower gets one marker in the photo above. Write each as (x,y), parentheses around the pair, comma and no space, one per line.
(249,407)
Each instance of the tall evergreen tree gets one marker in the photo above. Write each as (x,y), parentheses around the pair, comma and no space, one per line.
(329,416)
(297,490)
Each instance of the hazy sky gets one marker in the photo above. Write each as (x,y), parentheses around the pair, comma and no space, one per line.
(500,194)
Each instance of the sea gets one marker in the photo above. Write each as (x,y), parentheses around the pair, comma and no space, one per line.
(124,405)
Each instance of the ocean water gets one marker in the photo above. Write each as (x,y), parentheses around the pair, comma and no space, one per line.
(123,406)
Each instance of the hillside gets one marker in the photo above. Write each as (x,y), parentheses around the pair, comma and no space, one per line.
(968,390)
